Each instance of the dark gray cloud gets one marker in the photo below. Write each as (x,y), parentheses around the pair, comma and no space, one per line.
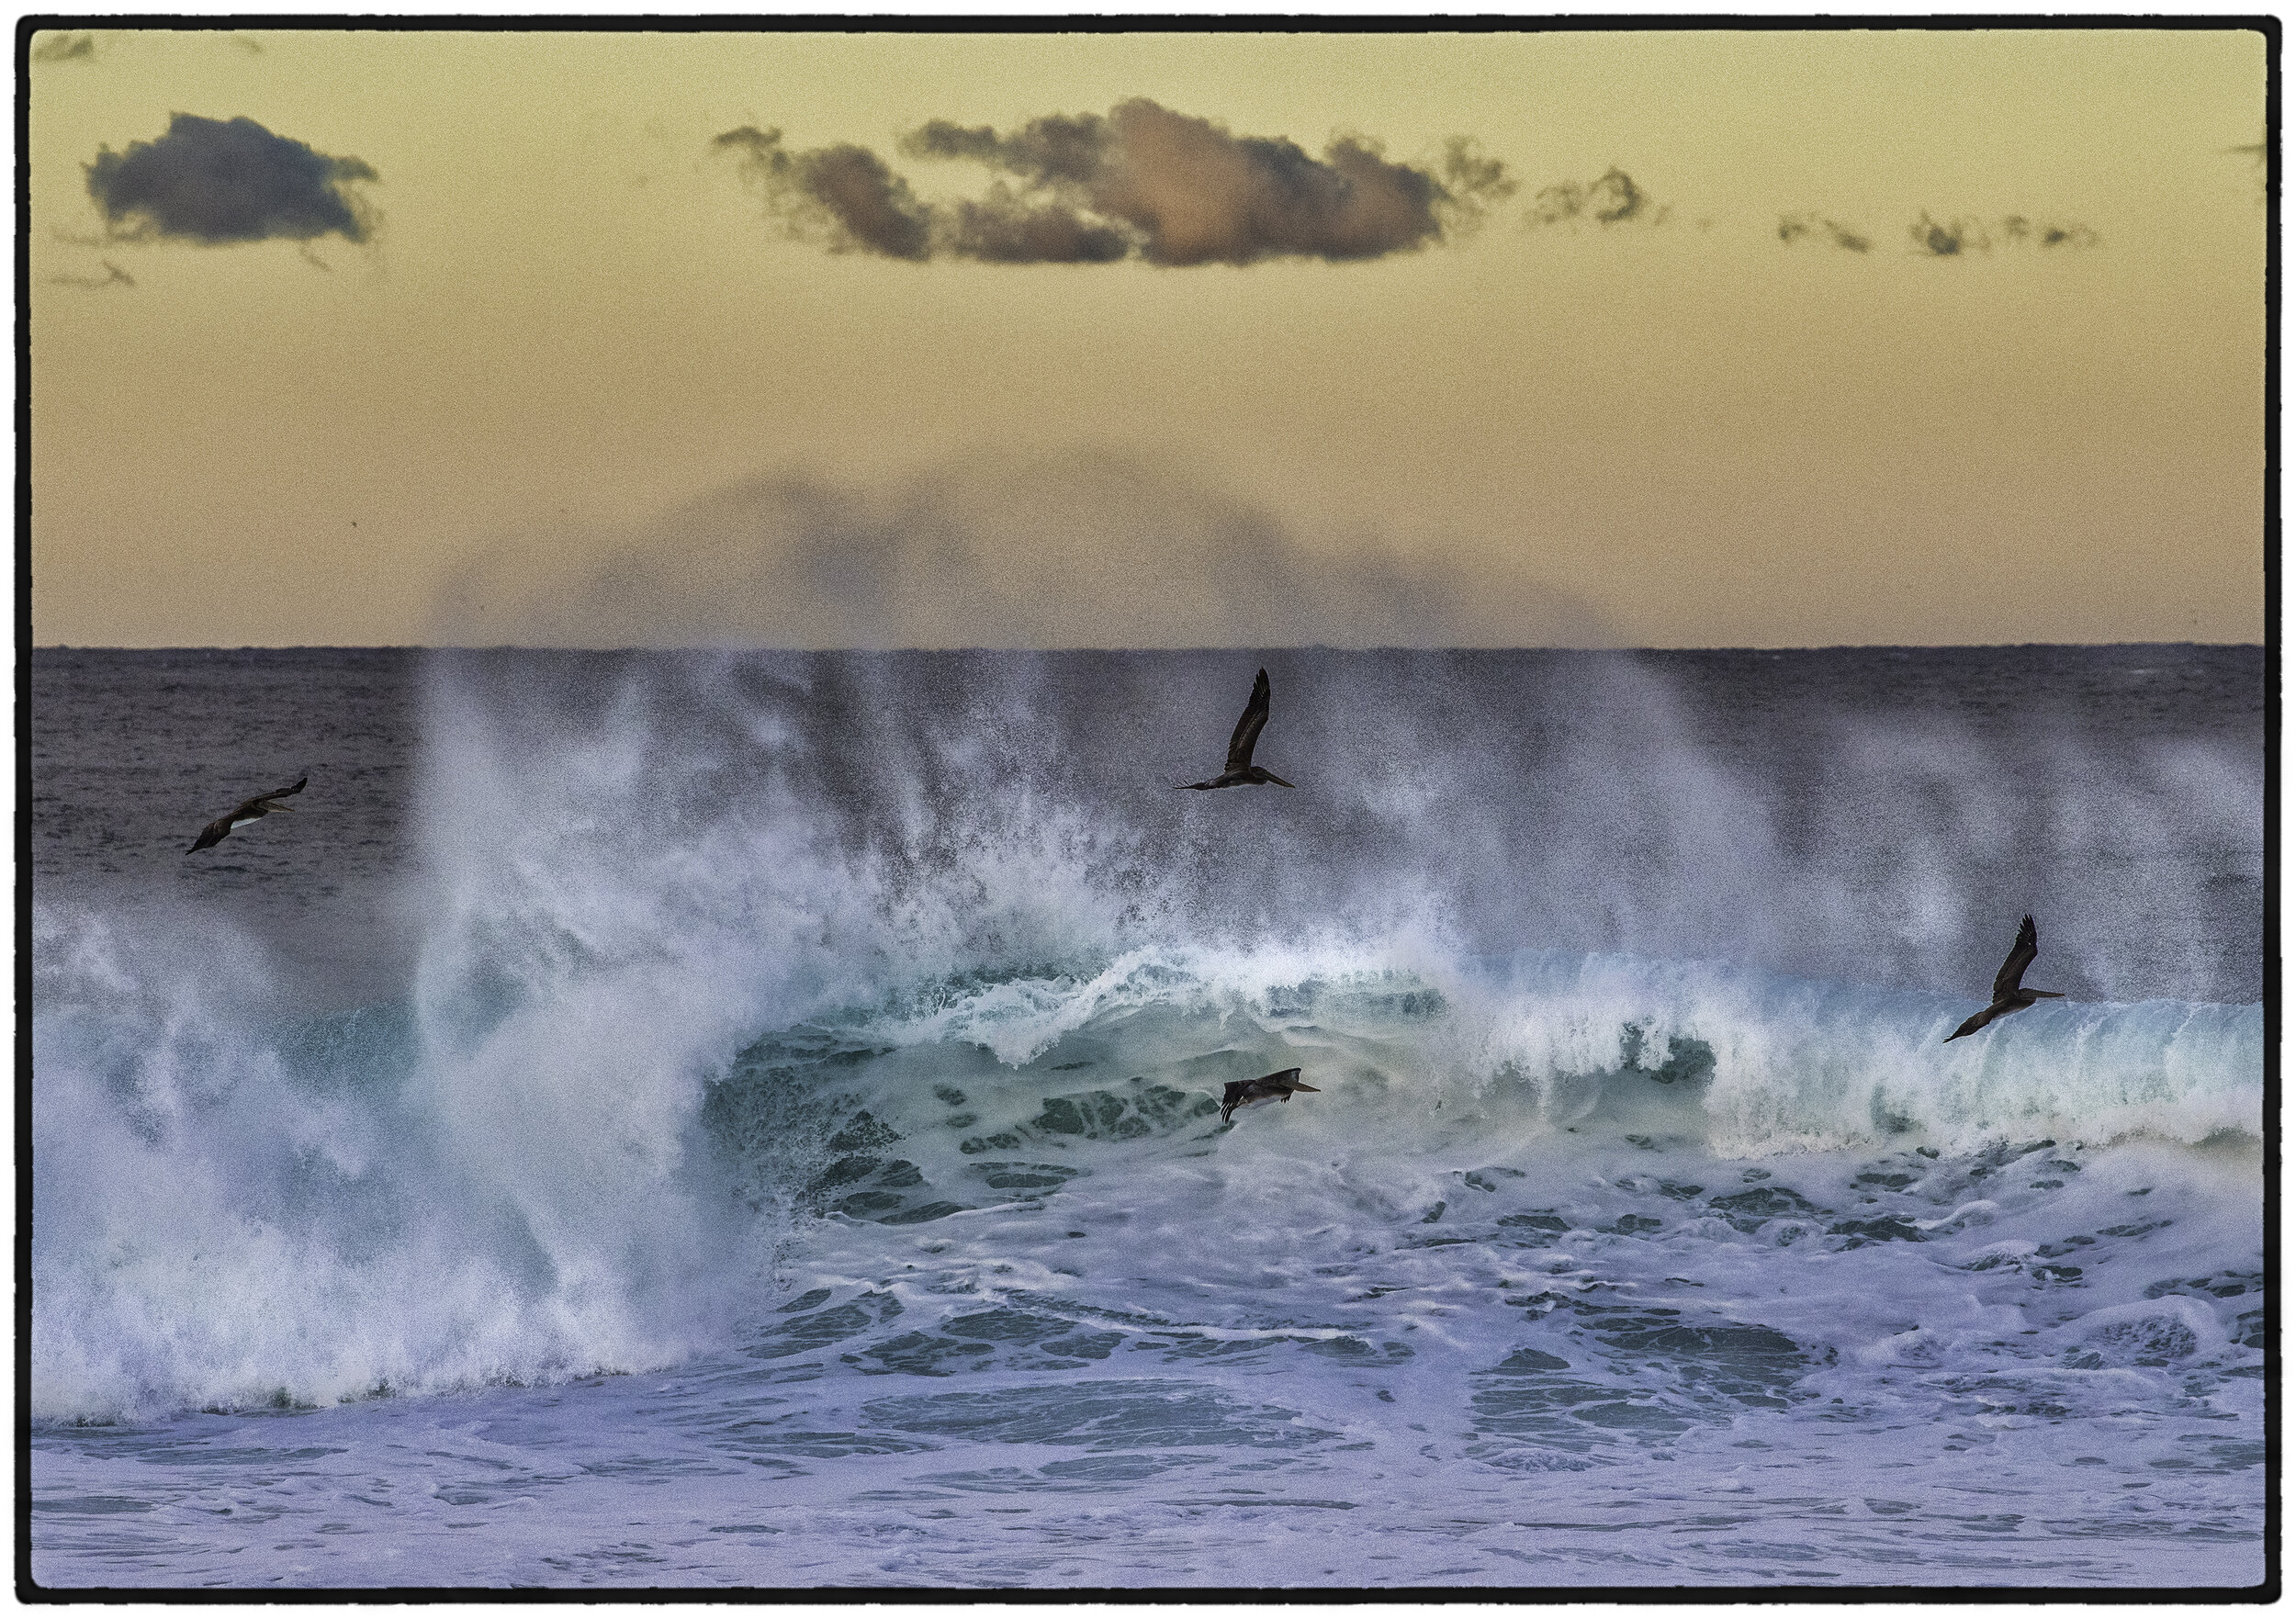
(843,195)
(1612,200)
(1051,150)
(1144,182)
(1956,237)
(1948,240)
(66,48)
(2016,230)
(212,181)
(1085,550)
(1794,228)
(113,276)
(1007,228)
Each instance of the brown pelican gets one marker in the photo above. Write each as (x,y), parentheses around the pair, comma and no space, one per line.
(1268,1087)
(255,809)
(2009,995)
(1241,771)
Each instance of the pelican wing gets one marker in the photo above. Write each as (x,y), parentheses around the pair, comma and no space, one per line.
(2013,971)
(213,833)
(1975,1021)
(263,802)
(1248,729)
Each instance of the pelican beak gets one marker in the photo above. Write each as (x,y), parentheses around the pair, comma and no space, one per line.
(1298,1087)
(1277,779)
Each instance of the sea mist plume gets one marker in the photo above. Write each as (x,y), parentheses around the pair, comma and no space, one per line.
(905,816)
(1083,552)
(238,1208)
(723,842)
(1143,182)
(1584,807)
(1582,802)
(213,182)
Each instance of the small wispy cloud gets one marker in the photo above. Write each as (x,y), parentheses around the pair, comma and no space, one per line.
(113,276)
(1612,200)
(1144,182)
(1953,238)
(2016,230)
(1949,239)
(1794,228)
(65,48)
(213,182)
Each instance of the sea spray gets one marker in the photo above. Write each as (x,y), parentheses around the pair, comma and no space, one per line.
(967,872)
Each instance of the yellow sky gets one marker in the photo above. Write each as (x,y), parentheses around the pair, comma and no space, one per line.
(575,349)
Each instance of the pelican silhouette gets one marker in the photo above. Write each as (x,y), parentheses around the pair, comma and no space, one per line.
(2008,994)
(1268,1087)
(1240,771)
(255,809)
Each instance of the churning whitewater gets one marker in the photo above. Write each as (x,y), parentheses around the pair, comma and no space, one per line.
(713,1119)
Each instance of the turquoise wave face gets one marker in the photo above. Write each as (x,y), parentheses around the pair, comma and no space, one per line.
(1713,1057)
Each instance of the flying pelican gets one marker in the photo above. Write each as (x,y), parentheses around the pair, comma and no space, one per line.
(2009,995)
(1241,771)
(255,809)
(1268,1087)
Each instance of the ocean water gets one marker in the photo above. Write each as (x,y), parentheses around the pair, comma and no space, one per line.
(693,1120)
